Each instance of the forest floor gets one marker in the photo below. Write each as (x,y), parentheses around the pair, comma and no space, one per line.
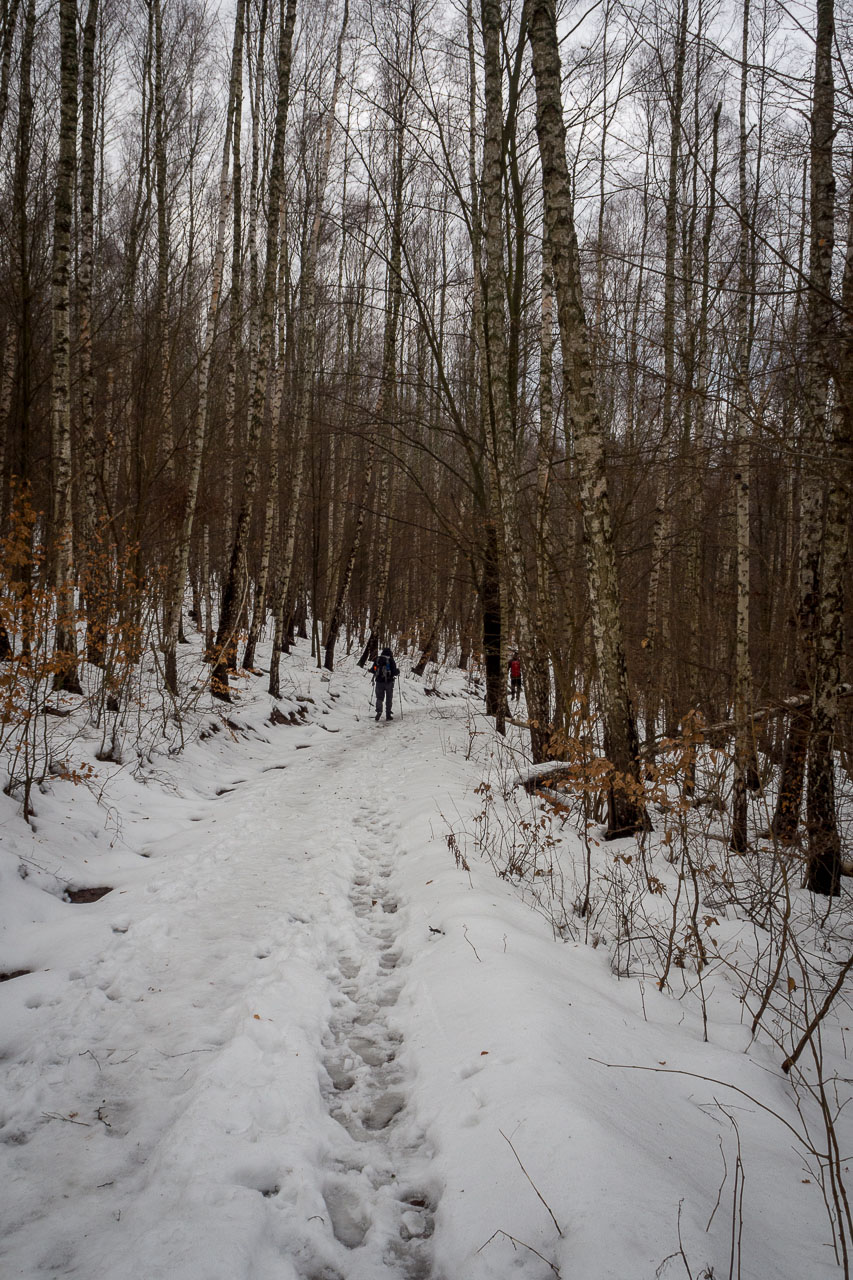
(299,1040)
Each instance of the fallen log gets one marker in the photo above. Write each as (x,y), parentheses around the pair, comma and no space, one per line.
(794,703)
(552,770)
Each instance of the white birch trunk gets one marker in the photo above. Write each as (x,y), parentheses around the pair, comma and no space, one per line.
(626,807)
(308,320)
(180,559)
(235,583)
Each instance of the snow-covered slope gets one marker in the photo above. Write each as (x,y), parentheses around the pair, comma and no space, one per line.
(299,1039)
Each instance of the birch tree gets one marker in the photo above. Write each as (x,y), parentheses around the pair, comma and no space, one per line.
(626,809)
(236,582)
(308,363)
(818,340)
(181,553)
(393,302)
(61,514)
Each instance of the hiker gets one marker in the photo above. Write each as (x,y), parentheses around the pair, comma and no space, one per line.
(384,670)
(515,677)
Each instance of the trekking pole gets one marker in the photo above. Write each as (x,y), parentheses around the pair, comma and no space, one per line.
(400,692)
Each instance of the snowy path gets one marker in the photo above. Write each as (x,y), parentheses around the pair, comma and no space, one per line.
(242,1078)
(378,1197)
(297,1039)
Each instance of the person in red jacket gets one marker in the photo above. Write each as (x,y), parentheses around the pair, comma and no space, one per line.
(515,677)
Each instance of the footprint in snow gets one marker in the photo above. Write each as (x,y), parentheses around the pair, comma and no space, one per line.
(350,1221)
(364,1088)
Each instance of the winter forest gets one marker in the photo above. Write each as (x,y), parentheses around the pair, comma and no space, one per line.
(478,329)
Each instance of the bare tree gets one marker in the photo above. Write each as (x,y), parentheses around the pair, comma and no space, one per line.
(61,513)
(236,583)
(308,363)
(181,553)
(626,809)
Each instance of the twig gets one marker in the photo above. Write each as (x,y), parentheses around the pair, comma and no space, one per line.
(819,1016)
(802,1138)
(513,1239)
(722,1184)
(470,943)
(532,1183)
(186,1052)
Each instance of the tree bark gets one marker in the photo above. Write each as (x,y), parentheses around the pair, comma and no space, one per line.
(394,296)
(65,644)
(6,43)
(824,842)
(745,774)
(180,558)
(94,568)
(658,639)
(626,809)
(235,584)
(819,336)
(308,367)
(164,363)
(496,391)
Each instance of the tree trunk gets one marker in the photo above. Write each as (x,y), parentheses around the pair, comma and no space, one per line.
(694,552)
(394,295)
(259,605)
(430,649)
(163,349)
(9,27)
(235,299)
(180,559)
(308,363)
(824,842)
(94,567)
(626,808)
(658,640)
(818,340)
(745,773)
(502,445)
(490,595)
(233,593)
(66,676)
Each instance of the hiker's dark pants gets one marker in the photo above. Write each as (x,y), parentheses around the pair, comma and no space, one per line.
(515,691)
(384,691)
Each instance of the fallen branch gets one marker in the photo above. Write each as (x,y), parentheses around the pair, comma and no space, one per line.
(819,1016)
(530,1180)
(554,769)
(798,702)
(54,1115)
(513,1239)
(802,1138)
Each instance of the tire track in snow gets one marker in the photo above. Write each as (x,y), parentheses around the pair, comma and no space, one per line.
(380,1199)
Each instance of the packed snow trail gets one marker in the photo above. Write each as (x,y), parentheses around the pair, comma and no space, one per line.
(275,909)
(378,1196)
(299,1040)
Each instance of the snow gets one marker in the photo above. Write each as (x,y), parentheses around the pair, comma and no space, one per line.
(300,1040)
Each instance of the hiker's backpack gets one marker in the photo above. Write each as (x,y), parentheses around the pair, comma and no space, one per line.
(384,670)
